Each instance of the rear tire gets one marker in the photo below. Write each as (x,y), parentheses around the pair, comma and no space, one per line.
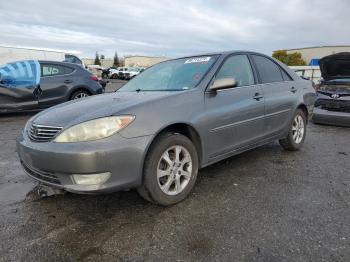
(297,132)
(79,94)
(170,170)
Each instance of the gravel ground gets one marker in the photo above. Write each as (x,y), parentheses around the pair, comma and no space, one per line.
(263,205)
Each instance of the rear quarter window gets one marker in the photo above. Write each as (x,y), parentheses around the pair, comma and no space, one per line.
(286,76)
(268,70)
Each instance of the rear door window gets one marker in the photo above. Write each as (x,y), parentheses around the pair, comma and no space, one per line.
(268,70)
(54,70)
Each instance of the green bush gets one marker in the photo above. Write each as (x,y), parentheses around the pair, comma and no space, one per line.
(291,59)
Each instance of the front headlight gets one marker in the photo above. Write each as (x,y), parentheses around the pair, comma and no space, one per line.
(94,129)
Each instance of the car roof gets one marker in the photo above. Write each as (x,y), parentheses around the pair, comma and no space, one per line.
(225,53)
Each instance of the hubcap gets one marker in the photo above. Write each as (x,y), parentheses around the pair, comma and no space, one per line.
(298,129)
(81,95)
(174,170)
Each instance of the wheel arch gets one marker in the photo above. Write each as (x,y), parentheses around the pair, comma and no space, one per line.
(184,129)
(303,107)
(78,88)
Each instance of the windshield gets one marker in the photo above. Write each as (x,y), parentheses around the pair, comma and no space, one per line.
(20,74)
(173,75)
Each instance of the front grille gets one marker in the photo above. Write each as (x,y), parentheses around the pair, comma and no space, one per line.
(41,175)
(41,133)
(331,94)
(333,105)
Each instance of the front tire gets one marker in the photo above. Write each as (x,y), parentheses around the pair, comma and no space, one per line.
(170,170)
(297,132)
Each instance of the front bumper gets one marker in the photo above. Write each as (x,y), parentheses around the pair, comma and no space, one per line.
(323,116)
(53,163)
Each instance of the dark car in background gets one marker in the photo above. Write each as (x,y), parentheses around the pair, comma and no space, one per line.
(155,132)
(29,85)
(332,105)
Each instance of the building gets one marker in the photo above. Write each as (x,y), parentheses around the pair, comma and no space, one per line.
(105,63)
(143,61)
(10,54)
(311,55)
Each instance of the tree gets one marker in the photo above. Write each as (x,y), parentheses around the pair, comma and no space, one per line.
(295,59)
(97,59)
(281,55)
(102,57)
(116,59)
(292,59)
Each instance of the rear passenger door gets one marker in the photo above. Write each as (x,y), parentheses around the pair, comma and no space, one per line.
(56,81)
(279,92)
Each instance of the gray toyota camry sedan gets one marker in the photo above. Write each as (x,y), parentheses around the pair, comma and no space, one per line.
(162,126)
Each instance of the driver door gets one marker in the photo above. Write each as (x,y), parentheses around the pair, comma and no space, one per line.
(235,115)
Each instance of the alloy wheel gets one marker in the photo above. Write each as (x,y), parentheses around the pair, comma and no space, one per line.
(80,95)
(298,129)
(174,170)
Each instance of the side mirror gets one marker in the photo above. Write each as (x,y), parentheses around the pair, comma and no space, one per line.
(223,83)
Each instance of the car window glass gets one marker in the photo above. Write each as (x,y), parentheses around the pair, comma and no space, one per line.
(269,71)
(68,70)
(52,70)
(238,67)
(286,77)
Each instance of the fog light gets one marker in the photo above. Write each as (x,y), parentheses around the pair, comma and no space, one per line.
(92,179)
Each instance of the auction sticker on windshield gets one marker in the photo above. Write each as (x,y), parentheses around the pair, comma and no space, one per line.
(198,60)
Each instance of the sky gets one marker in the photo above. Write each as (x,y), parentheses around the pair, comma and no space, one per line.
(172,28)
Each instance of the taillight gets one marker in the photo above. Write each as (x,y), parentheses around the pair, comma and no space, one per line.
(94,78)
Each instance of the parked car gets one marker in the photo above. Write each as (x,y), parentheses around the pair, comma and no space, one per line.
(118,73)
(132,72)
(333,94)
(97,70)
(166,123)
(28,85)
(106,72)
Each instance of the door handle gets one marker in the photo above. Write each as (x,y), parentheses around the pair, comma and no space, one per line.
(293,89)
(257,96)
(68,81)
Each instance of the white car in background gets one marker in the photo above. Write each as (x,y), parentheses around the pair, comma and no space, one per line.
(132,72)
(118,73)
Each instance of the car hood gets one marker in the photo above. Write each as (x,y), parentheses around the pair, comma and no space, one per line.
(335,66)
(81,110)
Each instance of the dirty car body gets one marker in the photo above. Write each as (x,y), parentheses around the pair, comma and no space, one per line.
(332,105)
(32,84)
(219,123)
